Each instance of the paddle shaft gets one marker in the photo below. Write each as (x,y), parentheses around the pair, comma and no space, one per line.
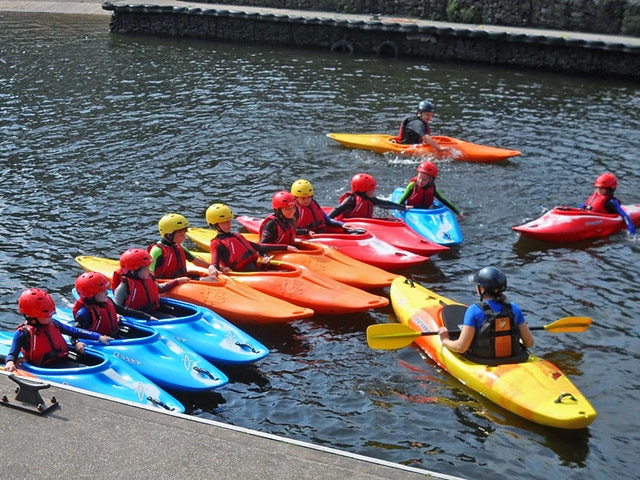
(391,336)
(424,334)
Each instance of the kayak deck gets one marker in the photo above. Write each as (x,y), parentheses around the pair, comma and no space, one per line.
(317,258)
(364,247)
(233,300)
(397,233)
(300,286)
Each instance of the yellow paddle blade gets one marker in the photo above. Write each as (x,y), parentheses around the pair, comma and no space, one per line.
(391,336)
(569,325)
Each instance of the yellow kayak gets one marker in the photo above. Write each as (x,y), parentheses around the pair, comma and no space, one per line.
(534,389)
(317,258)
(461,150)
(236,302)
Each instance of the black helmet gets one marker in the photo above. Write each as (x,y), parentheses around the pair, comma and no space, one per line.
(492,279)
(425,106)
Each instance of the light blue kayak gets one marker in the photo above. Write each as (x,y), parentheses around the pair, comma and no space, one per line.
(205,332)
(97,373)
(161,359)
(438,224)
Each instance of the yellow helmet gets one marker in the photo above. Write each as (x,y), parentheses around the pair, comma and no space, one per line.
(171,223)
(302,188)
(219,213)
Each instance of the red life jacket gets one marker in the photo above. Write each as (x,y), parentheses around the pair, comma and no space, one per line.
(421,197)
(104,318)
(362,209)
(173,261)
(141,294)
(241,253)
(46,343)
(286,232)
(499,336)
(597,203)
(311,217)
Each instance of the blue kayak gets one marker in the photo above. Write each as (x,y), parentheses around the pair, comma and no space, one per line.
(161,359)
(97,373)
(438,223)
(204,332)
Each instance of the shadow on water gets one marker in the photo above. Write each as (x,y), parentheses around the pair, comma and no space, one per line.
(528,248)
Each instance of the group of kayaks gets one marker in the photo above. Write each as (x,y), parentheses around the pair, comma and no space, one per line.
(559,225)
(179,354)
(331,274)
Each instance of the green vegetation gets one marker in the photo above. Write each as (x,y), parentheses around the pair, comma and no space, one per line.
(460,15)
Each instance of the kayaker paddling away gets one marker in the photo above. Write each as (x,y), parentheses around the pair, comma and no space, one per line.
(494,363)
(493,328)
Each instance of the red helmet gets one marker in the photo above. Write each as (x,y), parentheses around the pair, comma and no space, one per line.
(606,180)
(429,168)
(135,258)
(36,303)
(90,284)
(283,199)
(363,182)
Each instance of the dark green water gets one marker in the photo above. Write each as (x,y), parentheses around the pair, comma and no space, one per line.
(101,135)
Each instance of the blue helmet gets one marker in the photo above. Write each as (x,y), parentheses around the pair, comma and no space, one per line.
(425,106)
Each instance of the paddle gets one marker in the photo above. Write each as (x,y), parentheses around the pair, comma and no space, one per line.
(391,336)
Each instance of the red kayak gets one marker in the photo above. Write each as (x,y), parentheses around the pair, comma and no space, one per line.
(361,246)
(395,232)
(567,224)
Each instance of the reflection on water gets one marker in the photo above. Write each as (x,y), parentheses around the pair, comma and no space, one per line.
(102,135)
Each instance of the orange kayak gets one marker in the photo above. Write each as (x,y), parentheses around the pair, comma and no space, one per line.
(300,286)
(461,150)
(235,301)
(317,258)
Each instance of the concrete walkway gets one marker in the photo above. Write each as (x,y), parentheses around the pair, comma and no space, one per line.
(93,437)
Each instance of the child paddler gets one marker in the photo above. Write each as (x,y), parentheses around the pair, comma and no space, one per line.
(230,250)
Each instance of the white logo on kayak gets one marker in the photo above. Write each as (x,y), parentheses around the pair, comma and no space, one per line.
(186,361)
(140,391)
(124,358)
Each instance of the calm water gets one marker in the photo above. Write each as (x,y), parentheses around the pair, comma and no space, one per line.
(101,135)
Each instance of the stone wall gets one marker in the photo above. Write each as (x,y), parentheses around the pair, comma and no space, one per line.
(614,17)
(343,33)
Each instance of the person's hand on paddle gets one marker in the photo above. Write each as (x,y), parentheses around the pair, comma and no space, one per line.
(10,366)
(443,333)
